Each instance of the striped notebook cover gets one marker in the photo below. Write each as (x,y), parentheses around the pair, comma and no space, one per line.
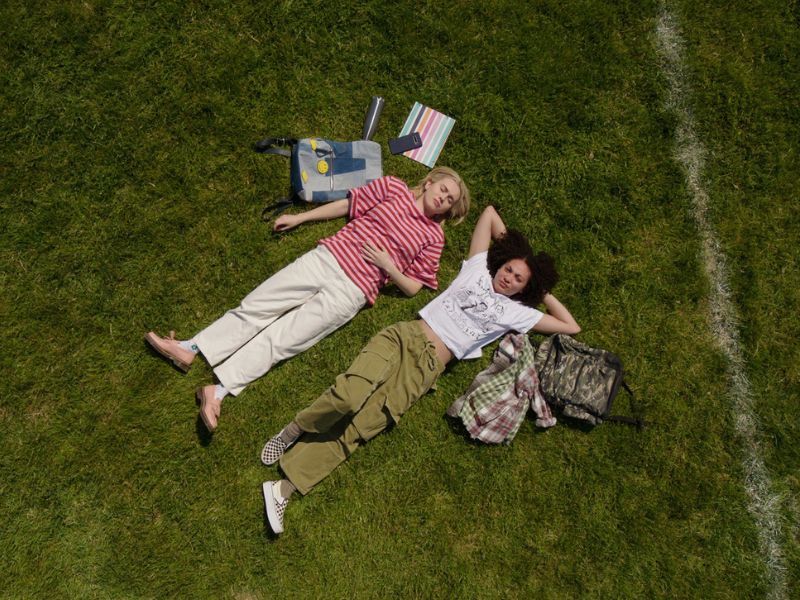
(433,128)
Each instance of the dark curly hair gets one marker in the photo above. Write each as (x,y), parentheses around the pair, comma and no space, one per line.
(544,276)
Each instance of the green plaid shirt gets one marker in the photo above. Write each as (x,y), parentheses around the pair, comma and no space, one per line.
(494,406)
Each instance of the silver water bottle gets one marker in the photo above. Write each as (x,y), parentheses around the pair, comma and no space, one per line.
(372,118)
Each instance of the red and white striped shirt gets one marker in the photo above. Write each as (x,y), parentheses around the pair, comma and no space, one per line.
(384,212)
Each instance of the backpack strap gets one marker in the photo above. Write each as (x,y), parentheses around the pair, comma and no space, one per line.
(639,423)
(267,146)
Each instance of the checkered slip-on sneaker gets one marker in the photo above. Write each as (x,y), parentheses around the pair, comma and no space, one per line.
(275,508)
(273,449)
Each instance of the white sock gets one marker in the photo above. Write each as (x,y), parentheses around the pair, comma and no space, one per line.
(220,391)
(189,345)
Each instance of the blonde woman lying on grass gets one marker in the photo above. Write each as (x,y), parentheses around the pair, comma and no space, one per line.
(393,234)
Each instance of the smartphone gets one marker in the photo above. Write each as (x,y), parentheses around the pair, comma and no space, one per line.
(405,143)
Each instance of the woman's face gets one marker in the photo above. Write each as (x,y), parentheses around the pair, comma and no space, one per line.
(438,197)
(512,277)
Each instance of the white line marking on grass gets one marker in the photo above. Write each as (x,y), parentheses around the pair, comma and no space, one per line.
(764,505)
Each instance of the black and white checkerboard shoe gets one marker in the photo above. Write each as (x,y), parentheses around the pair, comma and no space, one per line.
(275,504)
(273,449)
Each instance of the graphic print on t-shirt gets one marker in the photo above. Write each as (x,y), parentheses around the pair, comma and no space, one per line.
(474,308)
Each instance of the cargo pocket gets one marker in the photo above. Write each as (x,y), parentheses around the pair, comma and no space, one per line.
(373,418)
(374,363)
(371,369)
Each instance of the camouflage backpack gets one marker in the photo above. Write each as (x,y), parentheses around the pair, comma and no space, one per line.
(580,381)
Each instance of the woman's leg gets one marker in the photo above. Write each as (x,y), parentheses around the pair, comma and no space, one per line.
(374,365)
(315,455)
(393,371)
(283,291)
(336,303)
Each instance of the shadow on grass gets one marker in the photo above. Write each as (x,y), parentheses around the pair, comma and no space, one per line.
(581,426)
(268,533)
(393,292)
(204,436)
(153,352)
(457,427)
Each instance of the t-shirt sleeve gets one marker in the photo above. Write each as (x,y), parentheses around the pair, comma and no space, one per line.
(366,197)
(527,318)
(426,265)
(475,262)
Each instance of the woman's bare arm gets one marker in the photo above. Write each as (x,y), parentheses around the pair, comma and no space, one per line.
(558,319)
(326,212)
(489,227)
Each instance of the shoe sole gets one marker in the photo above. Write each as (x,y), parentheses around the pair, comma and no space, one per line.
(199,396)
(154,345)
(269,504)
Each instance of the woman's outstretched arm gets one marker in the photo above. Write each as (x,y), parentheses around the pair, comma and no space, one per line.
(557,319)
(489,227)
(326,212)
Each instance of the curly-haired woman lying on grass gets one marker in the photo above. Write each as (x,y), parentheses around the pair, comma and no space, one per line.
(496,291)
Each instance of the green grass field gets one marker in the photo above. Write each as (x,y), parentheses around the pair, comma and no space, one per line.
(130,201)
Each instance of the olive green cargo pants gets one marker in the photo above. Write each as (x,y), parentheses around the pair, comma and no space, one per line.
(392,372)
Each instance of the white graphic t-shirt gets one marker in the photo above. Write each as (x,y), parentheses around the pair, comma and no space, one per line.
(469,314)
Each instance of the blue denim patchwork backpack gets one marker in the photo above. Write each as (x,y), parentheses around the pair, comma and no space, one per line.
(324,170)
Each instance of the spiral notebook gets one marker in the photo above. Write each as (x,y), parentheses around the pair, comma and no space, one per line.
(433,128)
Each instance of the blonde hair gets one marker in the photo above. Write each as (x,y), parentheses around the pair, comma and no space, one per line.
(460,207)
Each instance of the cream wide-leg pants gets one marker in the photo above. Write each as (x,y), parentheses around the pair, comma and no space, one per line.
(287,314)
